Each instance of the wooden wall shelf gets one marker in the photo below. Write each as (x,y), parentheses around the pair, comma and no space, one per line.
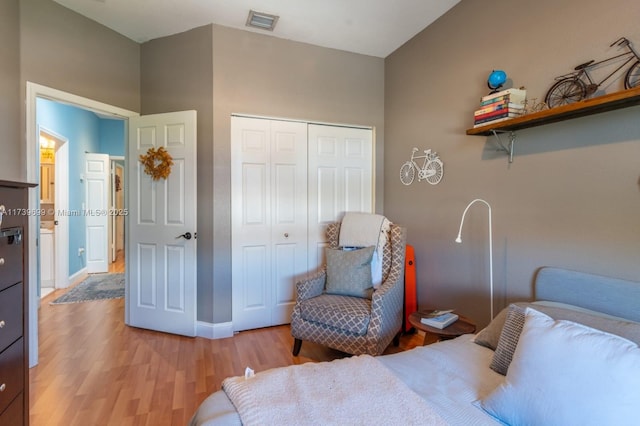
(610,102)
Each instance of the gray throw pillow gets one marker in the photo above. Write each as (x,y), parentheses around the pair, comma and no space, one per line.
(490,335)
(508,339)
(349,272)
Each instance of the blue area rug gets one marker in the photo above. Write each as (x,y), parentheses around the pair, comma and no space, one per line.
(95,287)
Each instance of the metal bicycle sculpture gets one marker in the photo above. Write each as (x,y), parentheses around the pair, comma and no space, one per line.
(577,85)
(431,170)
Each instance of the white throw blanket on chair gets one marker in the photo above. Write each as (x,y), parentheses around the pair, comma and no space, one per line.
(364,230)
(350,391)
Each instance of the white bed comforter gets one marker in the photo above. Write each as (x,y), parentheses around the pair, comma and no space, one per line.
(450,376)
(358,390)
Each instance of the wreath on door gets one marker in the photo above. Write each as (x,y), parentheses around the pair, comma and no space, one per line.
(157,163)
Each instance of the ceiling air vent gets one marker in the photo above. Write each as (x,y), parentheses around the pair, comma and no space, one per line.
(263,21)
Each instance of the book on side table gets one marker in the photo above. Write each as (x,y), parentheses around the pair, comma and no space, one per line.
(440,321)
(430,313)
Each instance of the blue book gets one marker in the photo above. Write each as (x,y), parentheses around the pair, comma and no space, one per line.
(440,321)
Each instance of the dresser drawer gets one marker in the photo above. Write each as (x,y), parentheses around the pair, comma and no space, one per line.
(11,373)
(10,315)
(13,414)
(15,203)
(11,245)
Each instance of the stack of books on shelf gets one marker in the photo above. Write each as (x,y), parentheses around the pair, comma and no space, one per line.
(500,106)
(438,318)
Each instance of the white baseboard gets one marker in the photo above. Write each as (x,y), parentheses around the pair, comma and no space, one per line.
(77,277)
(214,331)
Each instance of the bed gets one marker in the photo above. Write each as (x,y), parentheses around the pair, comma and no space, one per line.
(526,367)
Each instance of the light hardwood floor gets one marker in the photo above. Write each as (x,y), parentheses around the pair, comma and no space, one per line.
(95,370)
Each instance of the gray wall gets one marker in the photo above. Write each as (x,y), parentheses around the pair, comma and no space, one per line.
(10,140)
(262,75)
(176,75)
(571,198)
(66,51)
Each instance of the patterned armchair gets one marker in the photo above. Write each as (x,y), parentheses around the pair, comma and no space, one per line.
(352,324)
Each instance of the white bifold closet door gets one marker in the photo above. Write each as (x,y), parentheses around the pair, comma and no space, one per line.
(288,180)
(269,218)
(340,180)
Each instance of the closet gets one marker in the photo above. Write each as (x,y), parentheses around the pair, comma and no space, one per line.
(288,180)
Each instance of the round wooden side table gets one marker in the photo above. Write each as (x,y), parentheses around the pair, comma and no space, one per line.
(462,326)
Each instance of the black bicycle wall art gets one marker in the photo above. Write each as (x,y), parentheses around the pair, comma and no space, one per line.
(579,84)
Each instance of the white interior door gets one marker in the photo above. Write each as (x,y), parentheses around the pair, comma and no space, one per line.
(162,223)
(61,221)
(116,219)
(96,175)
(269,219)
(340,180)
(119,234)
(112,218)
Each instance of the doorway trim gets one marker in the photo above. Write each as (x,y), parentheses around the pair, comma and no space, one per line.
(35,91)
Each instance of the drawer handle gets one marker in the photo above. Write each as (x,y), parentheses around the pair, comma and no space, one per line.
(3,387)
(2,324)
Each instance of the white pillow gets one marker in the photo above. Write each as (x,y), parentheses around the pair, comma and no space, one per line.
(564,373)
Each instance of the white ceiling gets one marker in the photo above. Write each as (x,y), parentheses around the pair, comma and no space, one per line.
(370,27)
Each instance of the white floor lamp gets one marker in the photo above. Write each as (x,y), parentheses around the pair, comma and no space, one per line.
(459,240)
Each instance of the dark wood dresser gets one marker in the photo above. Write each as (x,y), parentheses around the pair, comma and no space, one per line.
(14,302)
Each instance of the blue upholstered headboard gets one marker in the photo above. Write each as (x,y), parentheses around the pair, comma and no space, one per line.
(611,296)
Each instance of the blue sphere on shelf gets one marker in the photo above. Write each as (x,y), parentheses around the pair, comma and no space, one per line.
(496,79)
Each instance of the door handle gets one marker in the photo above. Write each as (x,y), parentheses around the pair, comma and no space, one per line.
(186,236)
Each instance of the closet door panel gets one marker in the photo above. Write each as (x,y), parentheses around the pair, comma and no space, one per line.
(356,185)
(327,202)
(250,222)
(269,219)
(289,213)
(254,195)
(340,180)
